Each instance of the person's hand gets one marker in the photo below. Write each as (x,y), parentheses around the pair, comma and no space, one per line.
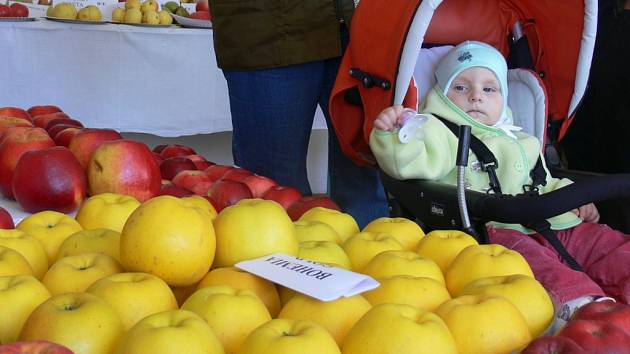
(389,119)
(588,213)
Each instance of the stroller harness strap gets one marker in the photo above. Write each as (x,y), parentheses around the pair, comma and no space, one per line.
(539,177)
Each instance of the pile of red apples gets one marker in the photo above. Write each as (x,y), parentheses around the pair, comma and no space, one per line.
(50,161)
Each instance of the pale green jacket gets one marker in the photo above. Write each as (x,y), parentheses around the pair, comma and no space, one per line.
(431,156)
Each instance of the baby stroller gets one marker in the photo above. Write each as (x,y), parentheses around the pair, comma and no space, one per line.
(547,43)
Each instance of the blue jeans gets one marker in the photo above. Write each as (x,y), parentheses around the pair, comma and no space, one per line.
(272,115)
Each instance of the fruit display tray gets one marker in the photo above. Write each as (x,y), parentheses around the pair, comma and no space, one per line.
(16,19)
(191,22)
(65,20)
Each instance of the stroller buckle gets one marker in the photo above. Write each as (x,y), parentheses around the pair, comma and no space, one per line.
(485,166)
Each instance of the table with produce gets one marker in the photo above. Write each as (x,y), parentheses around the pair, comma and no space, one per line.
(123,247)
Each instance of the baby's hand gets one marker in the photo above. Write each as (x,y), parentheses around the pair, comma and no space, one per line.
(588,213)
(390,118)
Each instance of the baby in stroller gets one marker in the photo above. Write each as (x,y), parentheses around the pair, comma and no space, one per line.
(471,90)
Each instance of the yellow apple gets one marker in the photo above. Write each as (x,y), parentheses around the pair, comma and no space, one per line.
(395,328)
(118,15)
(65,10)
(324,252)
(337,316)
(13,263)
(183,292)
(391,263)
(442,246)
(132,4)
(80,321)
(253,228)
(28,247)
(89,13)
(133,15)
(481,261)
(104,241)
(524,292)
(420,292)
(287,336)
(362,247)
(19,296)
(169,237)
(315,231)
(407,232)
(343,223)
(106,210)
(50,228)
(197,200)
(76,273)
(243,280)
(134,296)
(175,331)
(149,5)
(231,313)
(150,17)
(485,324)
(167,19)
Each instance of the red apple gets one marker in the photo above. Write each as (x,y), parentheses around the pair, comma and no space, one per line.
(283,195)
(200,162)
(87,140)
(6,221)
(171,189)
(5,11)
(597,337)
(34,347)
(259,185)
(42,120)
(124,167)
(171,166)
(15,112)
(64,137)
(173,150)
(200,15)
(188,178)
(236,174)
(16,142)
(8,122)
(305,204)
(553,345)
(18,10)
(49,179)
(59,127)
(202,5)
(608,311)
(224,193)
(215,172)
(39,110)
(158,148)
(66,121)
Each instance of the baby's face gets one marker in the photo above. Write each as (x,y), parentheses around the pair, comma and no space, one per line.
(477,92)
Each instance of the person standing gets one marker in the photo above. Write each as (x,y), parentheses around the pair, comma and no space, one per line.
(280,60)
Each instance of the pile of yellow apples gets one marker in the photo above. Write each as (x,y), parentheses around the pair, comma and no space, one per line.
(160,277)
(147,12)
(68,11)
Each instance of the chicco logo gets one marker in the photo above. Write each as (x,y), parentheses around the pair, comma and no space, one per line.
(465,56)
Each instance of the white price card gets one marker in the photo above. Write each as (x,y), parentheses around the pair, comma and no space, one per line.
(321,281)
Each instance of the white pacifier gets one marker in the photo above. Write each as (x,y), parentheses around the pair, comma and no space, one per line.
(411,123)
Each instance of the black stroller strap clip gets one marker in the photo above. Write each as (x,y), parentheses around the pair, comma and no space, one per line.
(369,81)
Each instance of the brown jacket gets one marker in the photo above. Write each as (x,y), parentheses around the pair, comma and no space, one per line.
(257,34)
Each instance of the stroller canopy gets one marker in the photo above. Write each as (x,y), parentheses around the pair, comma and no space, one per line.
(386,37)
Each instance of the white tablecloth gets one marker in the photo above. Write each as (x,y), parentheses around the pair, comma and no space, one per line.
(162,81)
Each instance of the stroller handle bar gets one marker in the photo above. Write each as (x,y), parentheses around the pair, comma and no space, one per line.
(524,208)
